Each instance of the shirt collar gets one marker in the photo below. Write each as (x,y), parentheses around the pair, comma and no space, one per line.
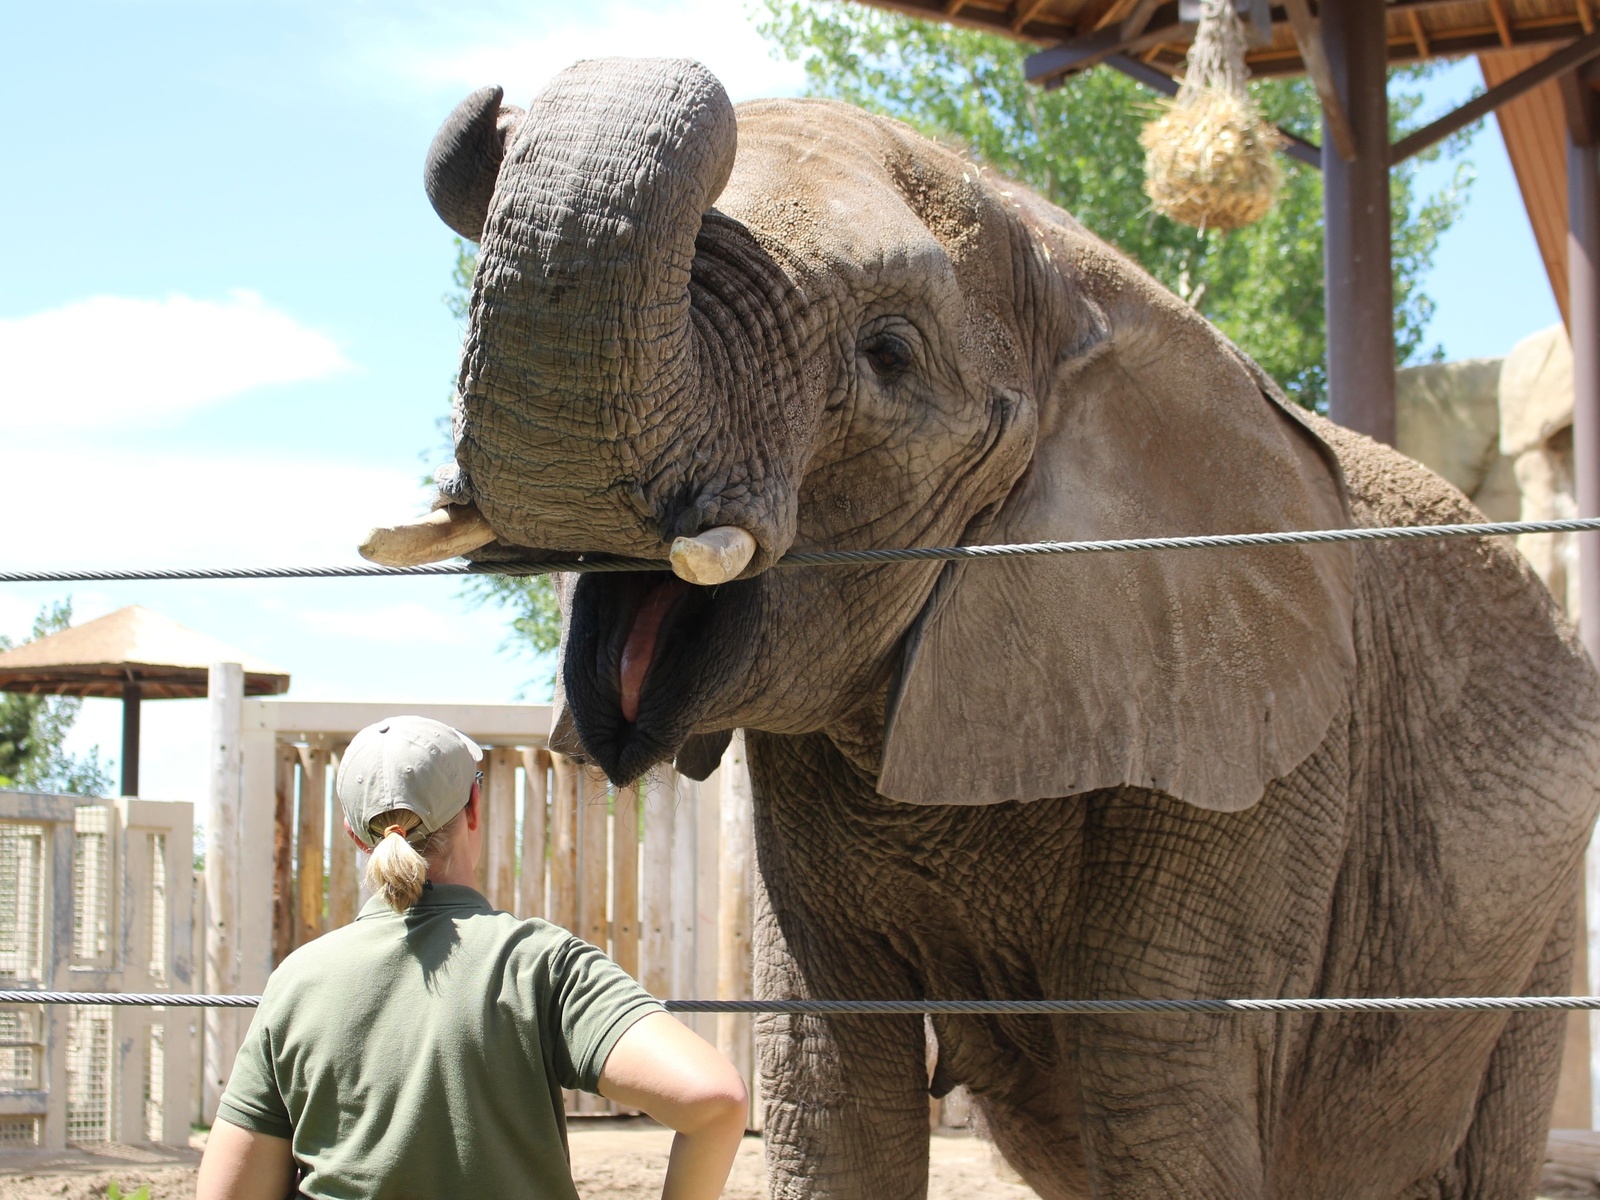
(439,895)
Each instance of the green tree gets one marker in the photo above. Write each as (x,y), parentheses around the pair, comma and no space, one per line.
(33,730)
(1078,146)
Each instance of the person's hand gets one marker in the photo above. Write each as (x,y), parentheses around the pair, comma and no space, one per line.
(664,1068)
(240,1164)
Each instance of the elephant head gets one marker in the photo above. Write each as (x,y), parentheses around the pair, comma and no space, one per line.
(817,327)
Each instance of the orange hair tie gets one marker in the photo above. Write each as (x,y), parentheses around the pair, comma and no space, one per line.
(394,829)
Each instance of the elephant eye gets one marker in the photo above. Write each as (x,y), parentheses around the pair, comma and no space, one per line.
(889,355)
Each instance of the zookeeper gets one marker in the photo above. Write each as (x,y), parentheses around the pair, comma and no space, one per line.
(422,1049)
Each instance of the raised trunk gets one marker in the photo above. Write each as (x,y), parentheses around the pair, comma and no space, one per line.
(581,364)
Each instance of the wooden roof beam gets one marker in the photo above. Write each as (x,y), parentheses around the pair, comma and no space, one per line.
(1080,53)
(1308,35)
(1585,49)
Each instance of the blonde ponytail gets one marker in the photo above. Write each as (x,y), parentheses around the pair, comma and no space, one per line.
(396,871)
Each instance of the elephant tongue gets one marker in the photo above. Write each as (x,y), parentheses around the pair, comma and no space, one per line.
(640,648)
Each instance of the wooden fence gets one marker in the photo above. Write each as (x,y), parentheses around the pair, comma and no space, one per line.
(658,874)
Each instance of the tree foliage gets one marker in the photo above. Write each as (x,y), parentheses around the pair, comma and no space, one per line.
(1078,146)
(33,731)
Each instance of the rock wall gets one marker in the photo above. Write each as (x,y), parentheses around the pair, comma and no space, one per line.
(1501,431)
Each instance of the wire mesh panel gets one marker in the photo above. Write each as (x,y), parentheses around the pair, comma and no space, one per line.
(91,884)
(89,1082)
(22,857)
(21,1050)
(155,1069)
(158,908)
(18,1133)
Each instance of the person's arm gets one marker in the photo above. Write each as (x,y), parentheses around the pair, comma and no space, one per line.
(663,1067)
(240,1164)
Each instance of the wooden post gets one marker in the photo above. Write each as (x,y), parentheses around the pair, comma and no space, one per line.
(286,764)
(225,689)
(1356,246)
(733,907)
(564,842)
(313,830)
(625,879)
(253,890)
(130,736)
(535,817)
(655,911)
(1583,313)
(344,885)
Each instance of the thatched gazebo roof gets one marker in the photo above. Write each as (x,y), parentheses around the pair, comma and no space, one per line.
(134,654)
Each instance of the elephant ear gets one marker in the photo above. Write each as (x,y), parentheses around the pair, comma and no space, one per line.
(464,160)
(1204,674)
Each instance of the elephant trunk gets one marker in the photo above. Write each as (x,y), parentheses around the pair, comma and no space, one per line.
(581,367)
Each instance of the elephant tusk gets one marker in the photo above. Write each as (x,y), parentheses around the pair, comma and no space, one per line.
(712,557)
(443,533)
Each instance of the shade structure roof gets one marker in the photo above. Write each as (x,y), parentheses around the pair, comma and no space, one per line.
(167,660)
(1416,29)
(1508,36)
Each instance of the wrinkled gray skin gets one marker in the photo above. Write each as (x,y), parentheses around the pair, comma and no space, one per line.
(1287,772)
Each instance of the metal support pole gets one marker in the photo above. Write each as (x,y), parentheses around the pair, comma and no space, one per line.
(1356,253)
(130,737)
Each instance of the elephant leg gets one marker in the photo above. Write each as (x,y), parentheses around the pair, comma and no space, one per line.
(1170,1106)
(1504,1149)
(846,1098)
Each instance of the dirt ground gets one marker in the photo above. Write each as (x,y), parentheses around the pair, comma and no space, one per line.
(624,1160)
(611,1160)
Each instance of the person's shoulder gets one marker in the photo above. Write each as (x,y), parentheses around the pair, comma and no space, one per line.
(317,959)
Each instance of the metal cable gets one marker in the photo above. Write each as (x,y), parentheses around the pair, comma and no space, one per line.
(958,1007)
(587,564)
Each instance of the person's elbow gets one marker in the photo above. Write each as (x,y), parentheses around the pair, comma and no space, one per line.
(719,1100)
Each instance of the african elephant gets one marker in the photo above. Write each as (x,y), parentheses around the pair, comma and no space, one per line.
(1302,771)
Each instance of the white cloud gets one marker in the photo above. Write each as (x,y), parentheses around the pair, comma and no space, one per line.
(409,624)
(126,509)
(521,47)
(120,360)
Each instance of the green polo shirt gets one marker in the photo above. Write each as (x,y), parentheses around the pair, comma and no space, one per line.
(423,1053)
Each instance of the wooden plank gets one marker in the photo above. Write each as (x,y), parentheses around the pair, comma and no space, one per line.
(1308,36)
(494,724)
(500,837)
(594,824)
(286,768)
(625,879)
(257,801)
(564,842)
(1533,127)
(733,908)
(535,822)
(593,866)
(344,883)
(313,830)
(655,908)
(1026,11)
(708,837)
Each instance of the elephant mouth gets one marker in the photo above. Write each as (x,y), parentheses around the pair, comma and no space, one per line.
(646,653)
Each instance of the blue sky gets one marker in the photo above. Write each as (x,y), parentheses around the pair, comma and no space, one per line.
(222,340)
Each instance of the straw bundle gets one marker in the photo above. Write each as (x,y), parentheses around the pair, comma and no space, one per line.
(1210,159)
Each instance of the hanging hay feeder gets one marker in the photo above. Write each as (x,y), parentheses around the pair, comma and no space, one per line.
(1211,160)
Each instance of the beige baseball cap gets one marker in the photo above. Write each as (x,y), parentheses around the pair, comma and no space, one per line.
(414,763)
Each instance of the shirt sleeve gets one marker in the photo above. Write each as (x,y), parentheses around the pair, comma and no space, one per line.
(593,1002)
(252,1100)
